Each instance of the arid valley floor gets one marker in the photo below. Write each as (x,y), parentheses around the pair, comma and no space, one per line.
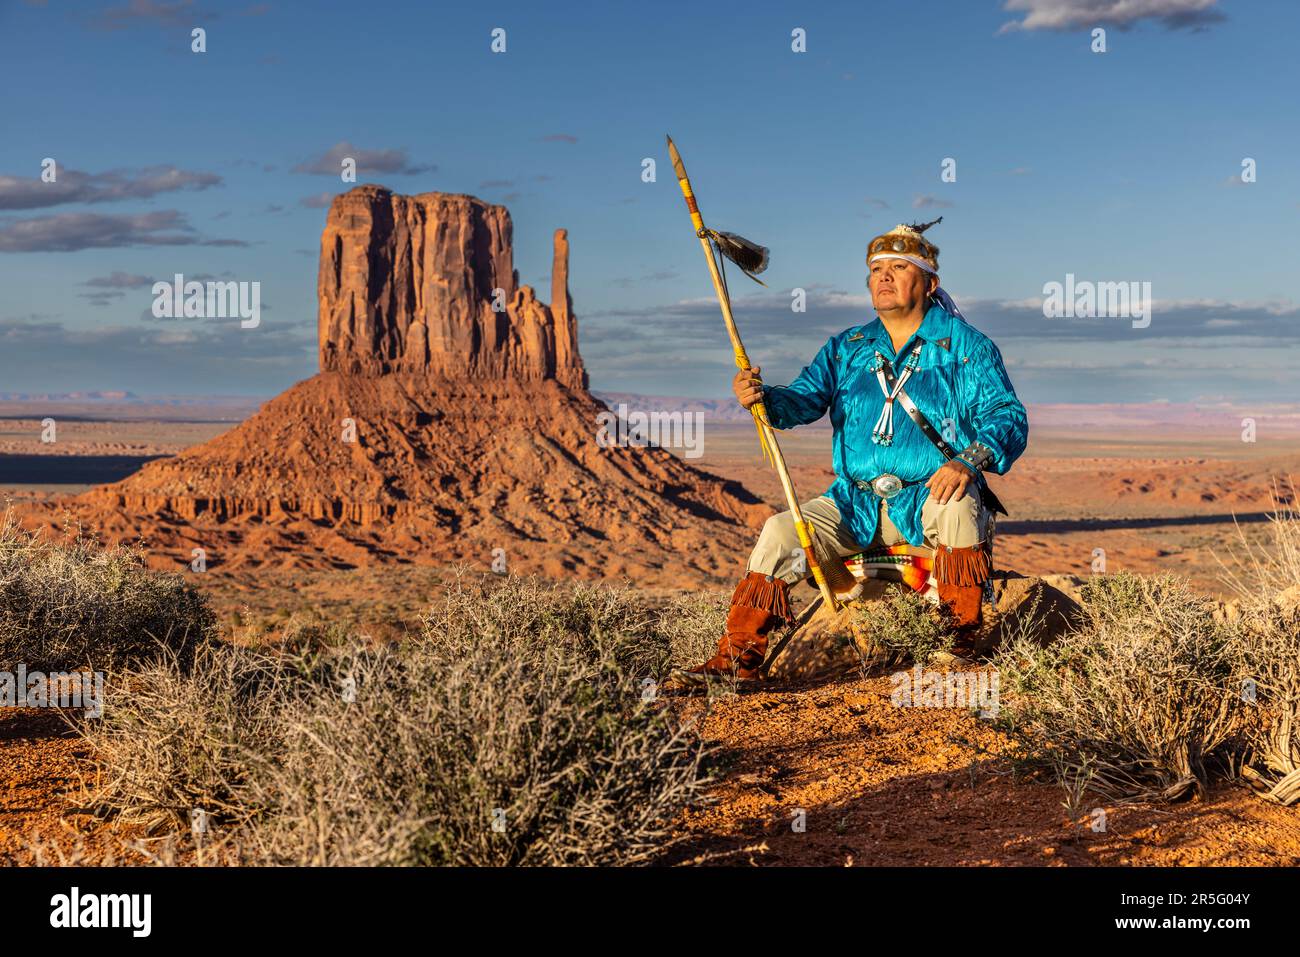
(880,785)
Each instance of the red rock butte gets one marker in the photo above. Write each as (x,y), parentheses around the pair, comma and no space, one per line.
(451,417)
(427,284)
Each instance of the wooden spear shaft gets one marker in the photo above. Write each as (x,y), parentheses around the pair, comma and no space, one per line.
(766,434)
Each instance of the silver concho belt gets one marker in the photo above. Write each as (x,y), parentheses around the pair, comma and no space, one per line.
(886,486)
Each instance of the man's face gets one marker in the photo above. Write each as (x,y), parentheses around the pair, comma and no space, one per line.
(897,285)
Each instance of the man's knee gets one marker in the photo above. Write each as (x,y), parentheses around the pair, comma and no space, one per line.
(967,505)
(957,522)
(778,529)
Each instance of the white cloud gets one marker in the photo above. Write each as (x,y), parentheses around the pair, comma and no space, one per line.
(1082,14)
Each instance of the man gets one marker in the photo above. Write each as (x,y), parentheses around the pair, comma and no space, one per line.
(895,481)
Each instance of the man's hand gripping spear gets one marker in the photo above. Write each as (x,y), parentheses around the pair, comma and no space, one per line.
(750,258)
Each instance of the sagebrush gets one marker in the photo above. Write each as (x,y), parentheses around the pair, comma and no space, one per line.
(72,605)
(521,726)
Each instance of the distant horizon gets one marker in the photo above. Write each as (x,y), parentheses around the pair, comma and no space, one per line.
(119,395)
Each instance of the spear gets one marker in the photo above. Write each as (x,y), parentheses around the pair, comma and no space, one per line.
(750,258)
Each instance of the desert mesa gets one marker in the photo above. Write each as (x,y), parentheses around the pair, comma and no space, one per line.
(451,418)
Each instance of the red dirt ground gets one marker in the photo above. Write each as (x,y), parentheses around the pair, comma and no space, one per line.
(43,765)
(878,784)
(887,785)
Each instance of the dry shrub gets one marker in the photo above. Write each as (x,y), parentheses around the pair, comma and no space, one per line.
(691,625)
(173,740)
(1267,581)
(1144,697)
(649,638)
(902,627)
(1269,642)
(1159,688)
(73,605)
(520,727)
(538,616)
(1260,571)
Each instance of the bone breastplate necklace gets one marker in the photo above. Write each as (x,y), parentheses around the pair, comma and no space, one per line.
(883,433)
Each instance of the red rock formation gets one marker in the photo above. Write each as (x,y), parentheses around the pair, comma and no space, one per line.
(437,470)
(438,429)
(427,284)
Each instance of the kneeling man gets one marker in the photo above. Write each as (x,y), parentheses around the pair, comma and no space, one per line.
(921,405)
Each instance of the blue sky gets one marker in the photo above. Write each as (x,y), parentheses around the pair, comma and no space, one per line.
(1122,166)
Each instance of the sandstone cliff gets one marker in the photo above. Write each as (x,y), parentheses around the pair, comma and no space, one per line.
(427,284)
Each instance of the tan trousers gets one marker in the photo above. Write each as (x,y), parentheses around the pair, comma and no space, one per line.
(961,523)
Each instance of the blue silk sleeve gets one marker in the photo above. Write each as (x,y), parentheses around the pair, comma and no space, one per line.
(808,397)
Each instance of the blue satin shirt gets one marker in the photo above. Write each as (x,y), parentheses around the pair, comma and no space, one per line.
(960,378)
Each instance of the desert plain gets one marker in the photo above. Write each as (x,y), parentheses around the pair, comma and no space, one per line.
(1153,489)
